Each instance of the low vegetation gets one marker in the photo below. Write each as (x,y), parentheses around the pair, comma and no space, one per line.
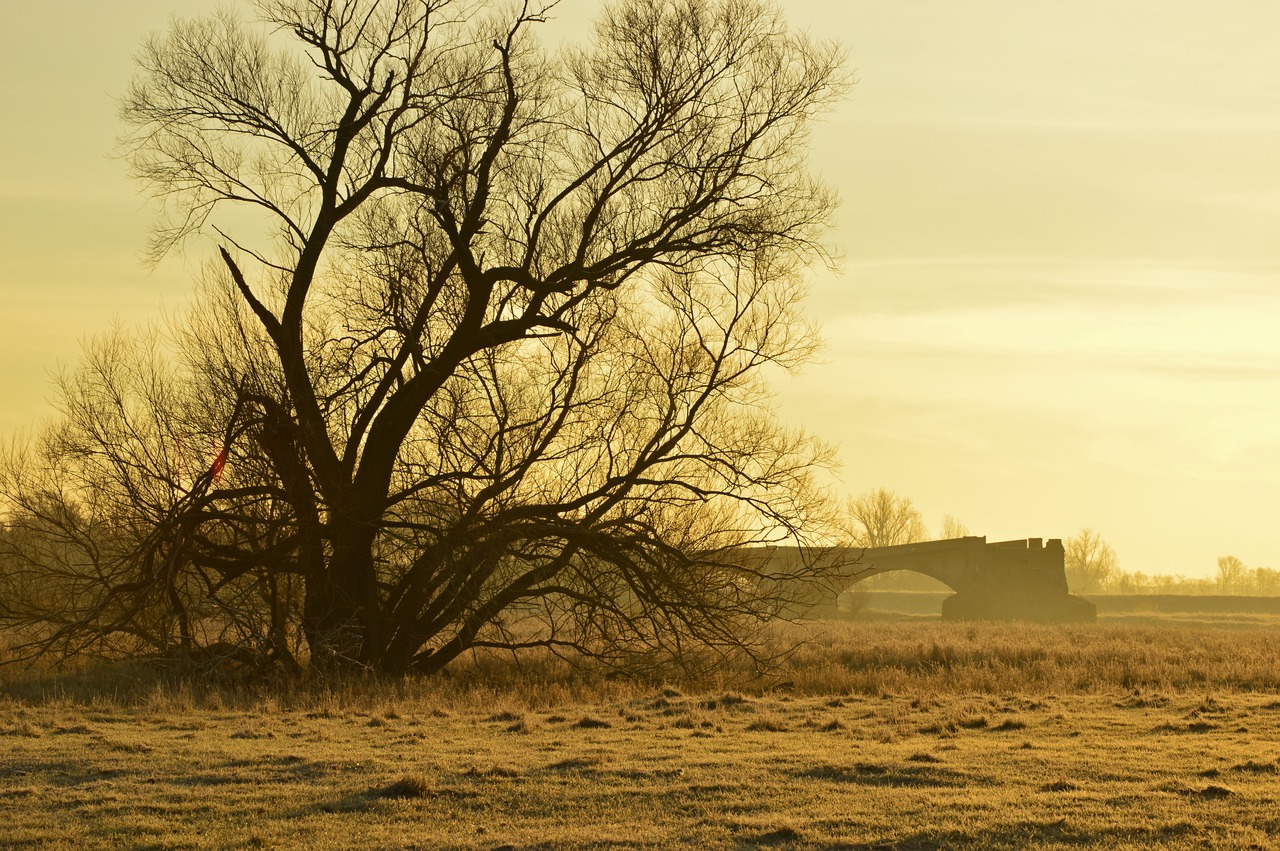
(896,735)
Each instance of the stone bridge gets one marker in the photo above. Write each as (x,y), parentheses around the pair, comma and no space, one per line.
(1005,580)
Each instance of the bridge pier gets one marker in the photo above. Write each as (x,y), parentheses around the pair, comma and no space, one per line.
(973,606)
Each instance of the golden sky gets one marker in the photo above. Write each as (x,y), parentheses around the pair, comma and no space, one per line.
(1061,236)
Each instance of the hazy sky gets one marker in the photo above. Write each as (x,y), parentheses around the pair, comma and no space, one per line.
(1060,297)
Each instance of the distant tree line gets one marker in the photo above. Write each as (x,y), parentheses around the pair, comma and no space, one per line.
(1092,568)
(1233,577)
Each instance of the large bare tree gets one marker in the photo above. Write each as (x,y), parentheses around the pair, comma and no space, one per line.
(481,360)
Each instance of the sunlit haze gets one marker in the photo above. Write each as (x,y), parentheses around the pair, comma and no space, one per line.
(1059,239)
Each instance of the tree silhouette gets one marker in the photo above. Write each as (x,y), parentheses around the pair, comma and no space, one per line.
(481,359)
(882,518)
(1232,574)
(1090,562)
(953,528)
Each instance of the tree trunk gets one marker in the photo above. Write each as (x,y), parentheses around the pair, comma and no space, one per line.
(342,609)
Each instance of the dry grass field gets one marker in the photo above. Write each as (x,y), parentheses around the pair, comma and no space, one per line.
(879,735)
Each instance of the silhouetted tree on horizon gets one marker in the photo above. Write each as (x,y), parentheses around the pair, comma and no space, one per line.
(1090,562)
(882,518)
(953,528)
(1232,573)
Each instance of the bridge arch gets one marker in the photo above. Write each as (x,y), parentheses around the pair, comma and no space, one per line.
(1005,580)
(952,562)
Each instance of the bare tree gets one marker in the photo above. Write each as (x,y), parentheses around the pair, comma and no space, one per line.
(953,528)
(1232,573)
(482,362)
(1090,562)
(111,545)
(882,518)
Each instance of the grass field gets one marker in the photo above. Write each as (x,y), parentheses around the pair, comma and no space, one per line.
(882,735)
